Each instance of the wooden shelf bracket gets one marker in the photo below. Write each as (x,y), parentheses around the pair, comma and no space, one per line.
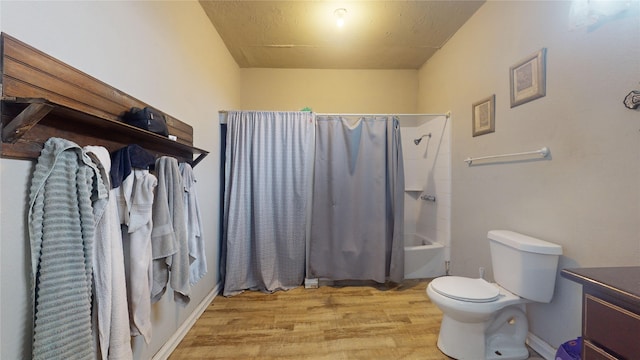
(22,123)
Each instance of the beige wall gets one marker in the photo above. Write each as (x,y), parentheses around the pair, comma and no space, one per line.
(586,197)
(162,53)
(330,91)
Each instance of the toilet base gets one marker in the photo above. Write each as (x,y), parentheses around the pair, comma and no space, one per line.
(506,335)
(502,337)
(460,340)
(508,352)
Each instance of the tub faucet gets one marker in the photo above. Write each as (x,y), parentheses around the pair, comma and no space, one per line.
(428,198)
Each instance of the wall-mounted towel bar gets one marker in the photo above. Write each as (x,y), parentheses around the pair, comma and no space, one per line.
(544,152)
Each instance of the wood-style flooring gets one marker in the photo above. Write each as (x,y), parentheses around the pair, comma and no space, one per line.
(331,322)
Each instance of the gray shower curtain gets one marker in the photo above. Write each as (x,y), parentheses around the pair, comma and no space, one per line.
(265,202)
(358,200)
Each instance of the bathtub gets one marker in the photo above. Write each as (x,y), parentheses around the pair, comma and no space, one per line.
(422,257)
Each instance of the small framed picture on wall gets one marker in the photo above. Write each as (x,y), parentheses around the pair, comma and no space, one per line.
(528,78)
(484,116)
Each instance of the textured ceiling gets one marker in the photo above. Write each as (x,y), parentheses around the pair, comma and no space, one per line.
(303,34)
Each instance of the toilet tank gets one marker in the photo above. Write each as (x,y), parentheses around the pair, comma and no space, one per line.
(524,265)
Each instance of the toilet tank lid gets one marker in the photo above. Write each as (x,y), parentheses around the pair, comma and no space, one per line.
(524,242)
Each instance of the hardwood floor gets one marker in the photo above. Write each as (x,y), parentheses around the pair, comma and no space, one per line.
(331,322)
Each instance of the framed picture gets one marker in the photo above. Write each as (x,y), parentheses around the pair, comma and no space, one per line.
(484,116)
(528,78)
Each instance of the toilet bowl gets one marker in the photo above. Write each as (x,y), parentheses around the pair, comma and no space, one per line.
(483,320)
(472,317)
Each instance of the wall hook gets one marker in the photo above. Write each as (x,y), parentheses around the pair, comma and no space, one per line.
(632,100)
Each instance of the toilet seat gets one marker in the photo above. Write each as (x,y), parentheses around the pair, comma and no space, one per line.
(466,289)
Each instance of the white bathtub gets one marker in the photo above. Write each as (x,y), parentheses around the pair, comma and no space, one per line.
(422,257)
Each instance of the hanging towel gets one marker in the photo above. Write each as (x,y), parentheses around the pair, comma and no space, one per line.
(198,266)
(169,235)
(110,291)
(127,158)
(61,231)
(134,199)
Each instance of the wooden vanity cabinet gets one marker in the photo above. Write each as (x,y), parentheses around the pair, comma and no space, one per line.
(610,311)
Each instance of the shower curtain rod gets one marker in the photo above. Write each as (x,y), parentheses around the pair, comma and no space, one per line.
(447,114)
(222,115)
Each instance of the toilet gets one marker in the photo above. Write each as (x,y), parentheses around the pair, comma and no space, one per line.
(483,320)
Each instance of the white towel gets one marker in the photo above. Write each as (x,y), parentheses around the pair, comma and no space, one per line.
(135,199)
(110,299)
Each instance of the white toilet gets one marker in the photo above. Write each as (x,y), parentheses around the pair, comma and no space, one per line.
(483,320)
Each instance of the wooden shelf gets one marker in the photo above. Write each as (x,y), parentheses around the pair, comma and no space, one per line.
(29,122)
(42,97)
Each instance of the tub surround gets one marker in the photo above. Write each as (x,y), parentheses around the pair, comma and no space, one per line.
(423,258)
(610,310)
(427,211)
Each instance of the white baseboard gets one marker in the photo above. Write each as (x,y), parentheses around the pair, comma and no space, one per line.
(541,347)
(173,342)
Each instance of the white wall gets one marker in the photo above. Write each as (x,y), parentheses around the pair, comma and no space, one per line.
(586,197)
(166,54)
(330,91)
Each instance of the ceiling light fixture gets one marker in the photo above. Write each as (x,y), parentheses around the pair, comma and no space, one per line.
(340,15)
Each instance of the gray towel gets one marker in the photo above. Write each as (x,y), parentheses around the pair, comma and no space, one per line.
(169,234)
(61,230)
(197,255)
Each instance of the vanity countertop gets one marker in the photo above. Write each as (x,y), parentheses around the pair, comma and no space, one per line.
(624,282)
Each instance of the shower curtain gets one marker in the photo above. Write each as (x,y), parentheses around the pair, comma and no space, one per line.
(358,200)
(265,203)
